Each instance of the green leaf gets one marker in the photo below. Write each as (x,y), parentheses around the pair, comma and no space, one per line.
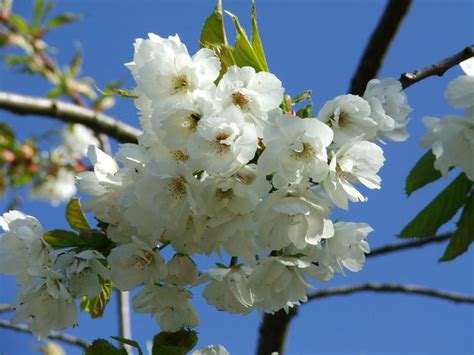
(62,20)
(96,306)
(305,95)
(75,216)
(103,347)
(76,63)
(37,14)
(7,136)
(244,53)
(422,173)
(213,31)
(129,342)
(256,40)
(305,112)
(127,93)
(59,238)
(464,235)
(440,210)
(20,23)
(177,343)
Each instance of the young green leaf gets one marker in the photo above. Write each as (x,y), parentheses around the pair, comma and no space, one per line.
(37,14)
(96,306)
(20,23)
(422,173)
(103,347)
(213,31)
(244,53)
(176,343)
(59,238)
(464,235)
(75,216)
(61,20)
(440,210)
(130,342)
(256,40)
(305,112)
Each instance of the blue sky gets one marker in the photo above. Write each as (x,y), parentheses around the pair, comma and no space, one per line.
(310,45)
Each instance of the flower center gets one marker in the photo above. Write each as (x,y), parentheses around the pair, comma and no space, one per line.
(191,122)
(180,84)
(179,155)
(240,99)
(224,195)
(302,150)
(177,187)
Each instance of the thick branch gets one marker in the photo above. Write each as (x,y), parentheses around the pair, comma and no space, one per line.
(392,288)
(66,338)
(379,44)
(67,112)
(408,79)
(6,308)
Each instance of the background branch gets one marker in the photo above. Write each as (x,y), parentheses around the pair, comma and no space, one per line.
(378,44)
(67,112)
(438,69)
(392,288)
(66,338)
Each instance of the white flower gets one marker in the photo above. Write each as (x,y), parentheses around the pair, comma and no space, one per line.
(228,289)
(348,246)
(354,162)
(135,263)
(255,94)
(164,70)
(46,306)
(278,282)
(84,272)
(349,117)
(452,142)
(56,188)
(389,107)
(223,144)
(181,270)
(211,350)
(76,139)
(460,91)
(23,252)
(293,215)
(295,149)
(169,304)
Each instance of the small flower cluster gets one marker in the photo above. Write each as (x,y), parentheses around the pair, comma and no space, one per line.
(59,184)
(452,137)
(220,169)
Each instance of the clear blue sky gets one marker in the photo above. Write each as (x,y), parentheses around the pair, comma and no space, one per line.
(310,45)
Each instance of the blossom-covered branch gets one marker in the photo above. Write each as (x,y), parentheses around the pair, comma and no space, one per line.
(392,288)
(66,338)
(67,112)
(379,44)
(438,69)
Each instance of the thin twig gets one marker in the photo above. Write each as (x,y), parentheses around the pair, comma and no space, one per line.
(125,325)
(66,338)
(408,79)
(378,44)
(6,308)
(67,112)
(390,248)
(392,288)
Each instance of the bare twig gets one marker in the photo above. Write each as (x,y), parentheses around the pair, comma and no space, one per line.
(408,79)
(66,338)
(125,327)
(278,324)
(392,288)
(379,44)
(390,248)
(67,112)
(6,308)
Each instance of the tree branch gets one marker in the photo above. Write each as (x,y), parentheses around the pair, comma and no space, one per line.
(379,44)
(278,324)
(66,338)
(6,308)
(392,288)
(67,112)
(408,79)
(125,324)
(390,248)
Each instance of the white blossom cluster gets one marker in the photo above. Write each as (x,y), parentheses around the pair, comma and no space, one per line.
(220,170)
(452,137)
(60,185)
